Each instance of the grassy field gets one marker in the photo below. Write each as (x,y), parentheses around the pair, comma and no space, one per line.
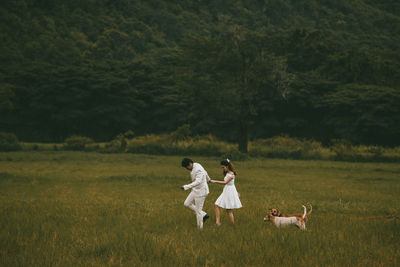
(91,209)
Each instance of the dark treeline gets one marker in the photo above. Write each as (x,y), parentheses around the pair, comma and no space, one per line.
(236,69)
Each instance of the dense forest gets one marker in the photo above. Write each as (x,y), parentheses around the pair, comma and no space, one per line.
(236,69)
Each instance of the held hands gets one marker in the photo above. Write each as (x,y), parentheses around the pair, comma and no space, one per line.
(213,181)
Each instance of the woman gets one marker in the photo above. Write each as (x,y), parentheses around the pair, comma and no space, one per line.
(229,199)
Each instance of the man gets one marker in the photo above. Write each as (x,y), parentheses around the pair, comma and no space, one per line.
(196,198)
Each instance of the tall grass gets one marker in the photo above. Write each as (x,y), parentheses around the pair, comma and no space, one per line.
(165,145)
(281,147)
(91,209)
(294,148)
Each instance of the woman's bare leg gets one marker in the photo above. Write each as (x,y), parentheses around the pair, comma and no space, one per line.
(230,215)
(217,215)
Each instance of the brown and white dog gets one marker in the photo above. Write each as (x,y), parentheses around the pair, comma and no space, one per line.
(276,212)
(286,221)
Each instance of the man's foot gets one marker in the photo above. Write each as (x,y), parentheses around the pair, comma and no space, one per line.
(205,218)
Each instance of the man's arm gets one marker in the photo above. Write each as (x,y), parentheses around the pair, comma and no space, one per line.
(198,178)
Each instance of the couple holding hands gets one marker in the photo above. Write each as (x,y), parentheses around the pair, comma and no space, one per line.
(229,199)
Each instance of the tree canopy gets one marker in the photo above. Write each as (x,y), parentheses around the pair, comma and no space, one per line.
(236,69)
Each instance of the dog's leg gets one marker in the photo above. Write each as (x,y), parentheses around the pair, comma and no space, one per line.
(303,225)
(303,222)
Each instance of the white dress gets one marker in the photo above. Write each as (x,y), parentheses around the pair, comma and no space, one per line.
(229,199)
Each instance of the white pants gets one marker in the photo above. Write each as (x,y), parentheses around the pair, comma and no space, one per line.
(196,203)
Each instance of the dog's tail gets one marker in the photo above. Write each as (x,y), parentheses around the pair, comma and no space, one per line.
(305,211)
(308,213)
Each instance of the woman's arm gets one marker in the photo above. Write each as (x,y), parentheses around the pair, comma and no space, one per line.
(222,182)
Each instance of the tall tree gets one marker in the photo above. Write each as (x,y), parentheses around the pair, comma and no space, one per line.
(364,113)
(232,76)
(6,93)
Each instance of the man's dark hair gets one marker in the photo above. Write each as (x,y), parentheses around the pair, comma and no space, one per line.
(186,162)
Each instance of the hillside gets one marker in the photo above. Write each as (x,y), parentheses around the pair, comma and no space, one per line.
(99,68)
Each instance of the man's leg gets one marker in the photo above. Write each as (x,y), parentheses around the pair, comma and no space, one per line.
(190,203)
(196,205)
(199,203)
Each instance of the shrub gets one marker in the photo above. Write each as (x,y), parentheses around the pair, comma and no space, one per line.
(9,142)
(149,144)
(277,147)
(206,148)
(344,150)
(129,134)
(165,145)
(182,133)
(92,147)
(117,145)
(391,154)
(77,142)
(376,152)
(288,147)
(311,149)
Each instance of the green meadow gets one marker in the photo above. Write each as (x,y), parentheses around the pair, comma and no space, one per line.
(60,208)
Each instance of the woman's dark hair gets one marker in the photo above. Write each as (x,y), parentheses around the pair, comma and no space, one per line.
(186,162)
(229,164)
